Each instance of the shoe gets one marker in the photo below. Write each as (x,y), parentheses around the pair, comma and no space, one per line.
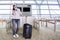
(14,36)
(17,35)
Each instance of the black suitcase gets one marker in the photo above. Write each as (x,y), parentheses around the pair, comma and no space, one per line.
(27,31)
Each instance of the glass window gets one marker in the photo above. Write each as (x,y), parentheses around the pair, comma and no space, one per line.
(45,16)
(9,2)
(34,11)
(44,11)
(35,7)
(52,2)
(5,17)
(44,7)
(17,2)
(30,2)
(38,2)
(5,11)
(36,16)
(54,16)
(5,6)
(5,2)
(55,11)
(54,7)
(44,2)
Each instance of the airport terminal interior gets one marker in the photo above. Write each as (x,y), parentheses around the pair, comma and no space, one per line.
(43,15)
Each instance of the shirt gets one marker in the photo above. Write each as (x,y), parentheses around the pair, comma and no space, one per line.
(16,14)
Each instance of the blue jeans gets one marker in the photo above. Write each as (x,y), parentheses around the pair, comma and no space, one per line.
(15,28)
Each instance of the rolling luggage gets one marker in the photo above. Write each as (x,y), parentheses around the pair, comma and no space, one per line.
(27,31)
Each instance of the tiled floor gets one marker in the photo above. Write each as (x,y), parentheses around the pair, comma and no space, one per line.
(48,34)
(8,36)
(43,34)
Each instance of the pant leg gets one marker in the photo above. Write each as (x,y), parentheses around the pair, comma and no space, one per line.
(13,26)
(18,25)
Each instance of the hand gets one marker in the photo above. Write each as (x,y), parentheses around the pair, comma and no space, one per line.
(21,15)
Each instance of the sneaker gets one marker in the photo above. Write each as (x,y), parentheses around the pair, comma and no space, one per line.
(17,35)
(14,36)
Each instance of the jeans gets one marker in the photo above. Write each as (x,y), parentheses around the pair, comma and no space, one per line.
(15,26)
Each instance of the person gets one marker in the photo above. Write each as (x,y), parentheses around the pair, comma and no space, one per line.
(16,13)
